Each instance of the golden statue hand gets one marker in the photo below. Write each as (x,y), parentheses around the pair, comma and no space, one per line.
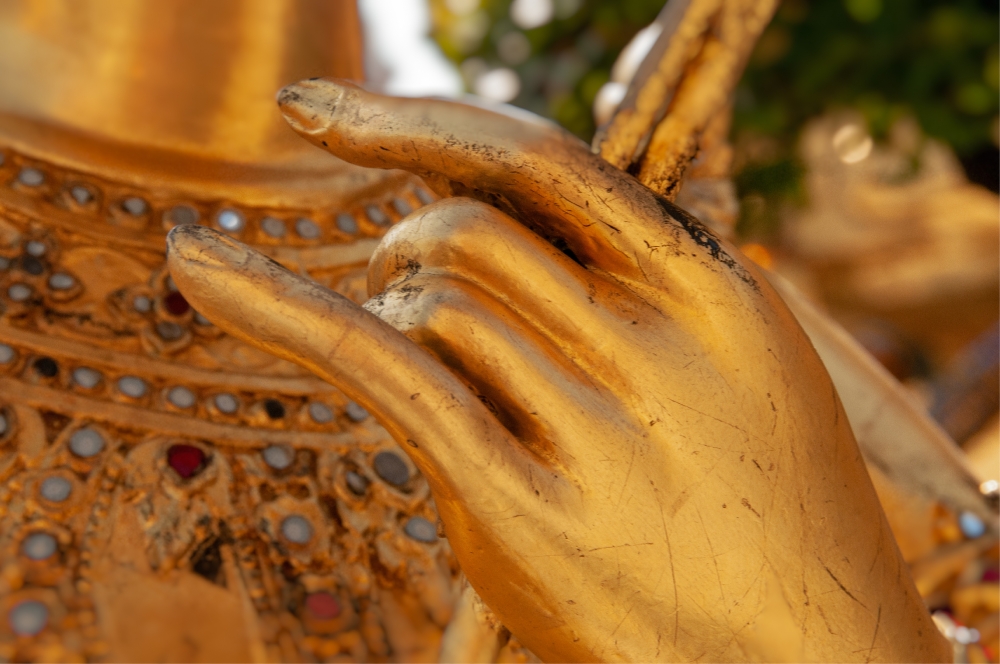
(635,451)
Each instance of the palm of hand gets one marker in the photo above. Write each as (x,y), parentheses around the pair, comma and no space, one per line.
(634,449)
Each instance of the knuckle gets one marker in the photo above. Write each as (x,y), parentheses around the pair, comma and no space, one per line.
(425,304)
(444,230)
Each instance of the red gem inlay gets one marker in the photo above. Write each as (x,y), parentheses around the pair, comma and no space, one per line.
(176,304)
(323,605)
(186,460)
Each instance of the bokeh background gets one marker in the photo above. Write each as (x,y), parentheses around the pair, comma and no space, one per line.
(933,61)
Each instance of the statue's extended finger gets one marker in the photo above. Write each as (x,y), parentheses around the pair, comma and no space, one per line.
(447,431)
(546,176)
(543,176)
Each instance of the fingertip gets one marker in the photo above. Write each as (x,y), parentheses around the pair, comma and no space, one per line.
(309,105)
(197,245)
(181,238)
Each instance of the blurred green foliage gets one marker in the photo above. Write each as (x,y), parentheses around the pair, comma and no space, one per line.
(570,57)
(935,60)
(886,58)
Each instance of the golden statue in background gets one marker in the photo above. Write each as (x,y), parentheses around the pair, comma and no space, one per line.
(635,450)
(169,493)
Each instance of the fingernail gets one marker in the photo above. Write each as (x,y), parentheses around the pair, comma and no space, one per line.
(204,247)
(310,105)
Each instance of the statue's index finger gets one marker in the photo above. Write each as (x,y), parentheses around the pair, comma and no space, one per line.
(545,176)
